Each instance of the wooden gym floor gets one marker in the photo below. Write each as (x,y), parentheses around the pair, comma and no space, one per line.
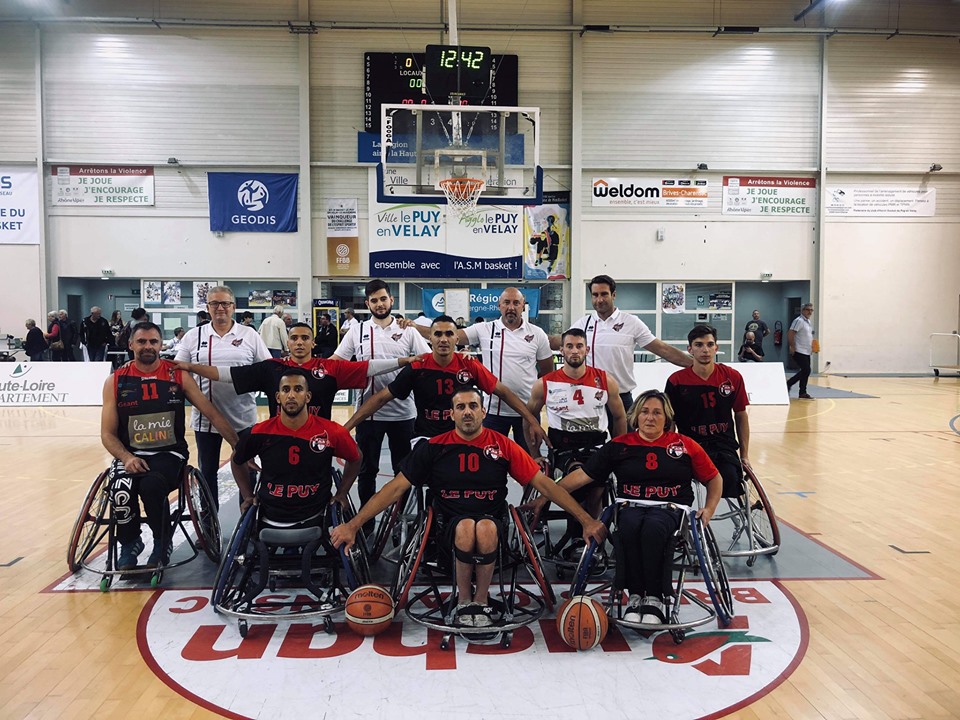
(876,479)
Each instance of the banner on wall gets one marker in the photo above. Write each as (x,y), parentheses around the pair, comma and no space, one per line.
(19,206)
(650,192)
(781,196)
(343,237)
(424,240)
(483,302)
(101,185)
(546,234)
(253,202)
(881,201)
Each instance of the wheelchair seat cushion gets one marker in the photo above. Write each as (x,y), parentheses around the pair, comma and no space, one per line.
(290,537)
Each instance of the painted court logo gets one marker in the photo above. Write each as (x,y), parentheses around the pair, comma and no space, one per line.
(203,656)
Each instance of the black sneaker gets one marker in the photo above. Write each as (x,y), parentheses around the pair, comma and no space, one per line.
(160,558)
(129,552)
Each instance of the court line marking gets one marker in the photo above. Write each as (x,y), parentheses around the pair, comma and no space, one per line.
(954,424)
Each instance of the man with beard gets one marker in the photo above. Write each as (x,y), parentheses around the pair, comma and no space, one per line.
(433,381)
(142,426)
(381,338)
(466,470)
(613,335)
(578,399)
(296,450)
(710,405)
(516,352)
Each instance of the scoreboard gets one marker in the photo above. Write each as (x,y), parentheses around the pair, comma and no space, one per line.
(399,77)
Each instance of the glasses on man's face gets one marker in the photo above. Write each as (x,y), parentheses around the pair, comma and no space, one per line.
(220,304)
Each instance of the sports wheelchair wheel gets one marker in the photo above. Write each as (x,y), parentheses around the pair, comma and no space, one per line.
(581,576)
(396,524)
(765,528)
(90,526)
(356,567)
(203,513)
(531,556)
(754,522)
(409,561)
(233,566)
(711,565)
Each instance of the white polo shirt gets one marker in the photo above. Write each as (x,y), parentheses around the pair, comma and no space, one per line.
(612,342)
(242,345)
(803,340)
(512,356)
(368,341)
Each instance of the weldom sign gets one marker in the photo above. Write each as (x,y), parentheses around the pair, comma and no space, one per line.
(290,669)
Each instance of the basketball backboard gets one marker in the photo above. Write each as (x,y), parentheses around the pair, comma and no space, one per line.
(420,145)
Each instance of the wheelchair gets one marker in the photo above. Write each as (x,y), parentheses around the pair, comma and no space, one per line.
(95,527)
(694,553)
(755,528)
(424,576)
(397,523)
(563,554)
(260,560)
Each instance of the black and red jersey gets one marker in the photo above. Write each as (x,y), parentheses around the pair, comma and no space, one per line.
(150,409)
(703,409)
(469,477)
(657,470)
(326,377)
(433,385)
(295,479)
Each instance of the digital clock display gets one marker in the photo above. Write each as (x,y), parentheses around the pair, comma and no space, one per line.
(398,78)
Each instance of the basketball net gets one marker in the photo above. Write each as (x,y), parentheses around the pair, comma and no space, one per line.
(462,195)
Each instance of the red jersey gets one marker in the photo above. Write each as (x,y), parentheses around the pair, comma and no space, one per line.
(433,385)
(295,480)
(469,477)
(326,377)
(657,470)
(703,409)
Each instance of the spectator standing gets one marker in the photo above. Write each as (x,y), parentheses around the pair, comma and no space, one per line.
(325,342)
(273,331)
(52,336)
(69,335)
(758,327)
(95,334)
(116,327)
(33,344)
(800,341)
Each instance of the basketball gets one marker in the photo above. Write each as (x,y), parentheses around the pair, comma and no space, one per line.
(369,610)
(582,623)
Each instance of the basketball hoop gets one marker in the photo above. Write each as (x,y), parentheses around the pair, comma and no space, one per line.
(462,195)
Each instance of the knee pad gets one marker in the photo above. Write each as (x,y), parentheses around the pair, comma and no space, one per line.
(474,558)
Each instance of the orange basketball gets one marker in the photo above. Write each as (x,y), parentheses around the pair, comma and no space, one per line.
(369,610)
(582,623)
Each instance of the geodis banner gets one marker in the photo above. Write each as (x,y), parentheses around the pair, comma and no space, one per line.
(253,202)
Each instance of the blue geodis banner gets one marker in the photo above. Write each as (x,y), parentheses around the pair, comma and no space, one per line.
(483,302)
(253,202)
